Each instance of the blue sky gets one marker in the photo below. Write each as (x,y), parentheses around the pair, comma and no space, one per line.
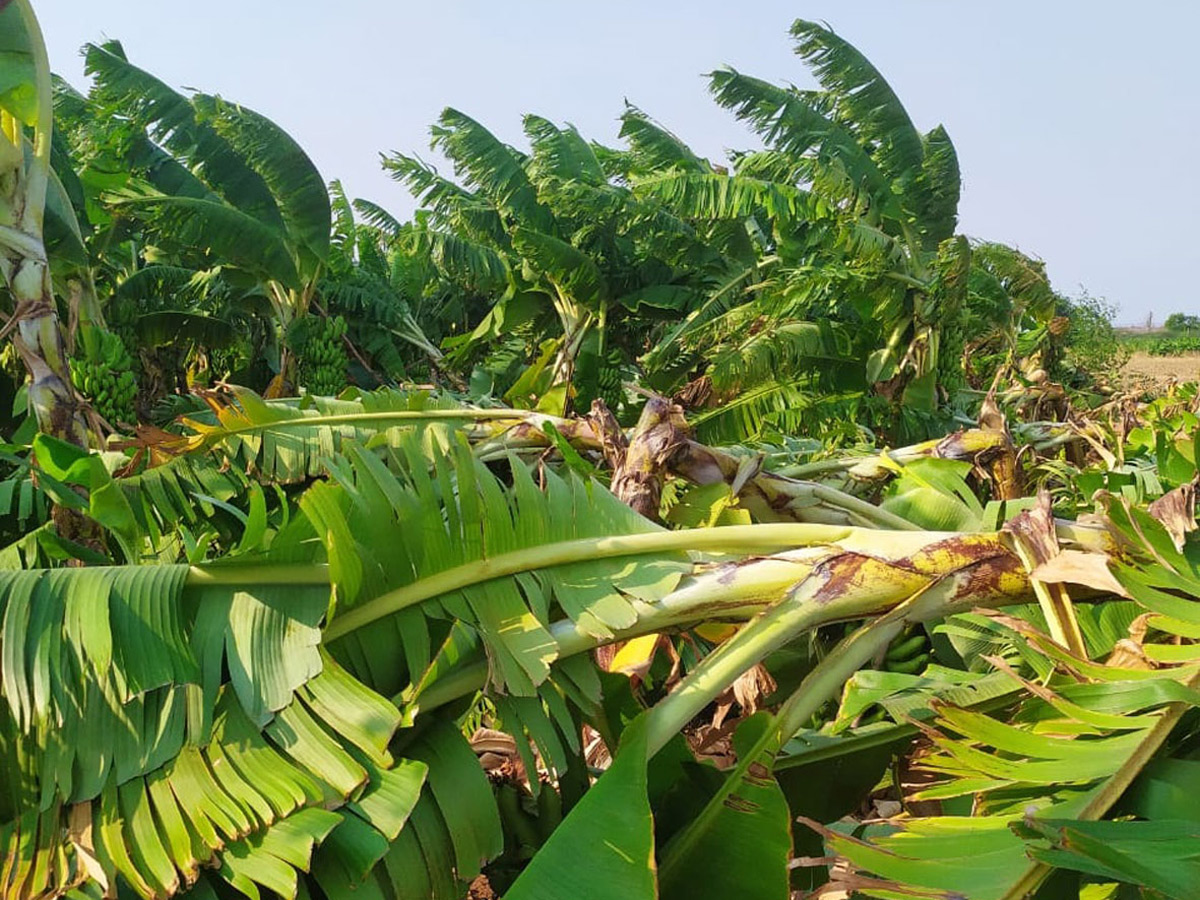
(1077,123)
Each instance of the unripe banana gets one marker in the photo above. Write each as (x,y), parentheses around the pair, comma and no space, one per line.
(910,666)
(905,648)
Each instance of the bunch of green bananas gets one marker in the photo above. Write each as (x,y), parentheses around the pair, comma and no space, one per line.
(323,357)
(909,653)
(610,378)
(121,319)
(224,361)
(943,307)
(104,374)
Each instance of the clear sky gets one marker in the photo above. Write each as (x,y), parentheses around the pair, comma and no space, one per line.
(1077,123)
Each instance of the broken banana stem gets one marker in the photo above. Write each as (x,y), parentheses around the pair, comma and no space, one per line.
(771,497)
(942,577)
(667,449)
(860,575)
(637,480)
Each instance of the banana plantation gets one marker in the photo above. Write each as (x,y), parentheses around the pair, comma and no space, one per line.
(623,524)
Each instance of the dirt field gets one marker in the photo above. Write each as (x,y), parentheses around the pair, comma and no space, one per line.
(1163,368)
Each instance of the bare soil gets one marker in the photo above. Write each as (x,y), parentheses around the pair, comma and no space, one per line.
(1163,368)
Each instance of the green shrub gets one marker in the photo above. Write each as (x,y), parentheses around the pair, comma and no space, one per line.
(1091,345)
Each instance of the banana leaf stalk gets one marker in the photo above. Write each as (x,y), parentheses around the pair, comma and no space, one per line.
(664,448)
(756,762)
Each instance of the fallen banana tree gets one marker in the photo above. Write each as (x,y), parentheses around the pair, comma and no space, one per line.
(1037,793)
(228,721)
(285,441)
(661,445)
(248,740)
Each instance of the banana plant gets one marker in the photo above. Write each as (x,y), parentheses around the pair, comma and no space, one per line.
(555,232)
(250,738)
(27,187)
(1012,309)
(855,210)
(1072,791)
(220,185)
(369,279)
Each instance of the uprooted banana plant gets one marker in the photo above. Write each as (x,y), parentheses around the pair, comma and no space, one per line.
(1075,781)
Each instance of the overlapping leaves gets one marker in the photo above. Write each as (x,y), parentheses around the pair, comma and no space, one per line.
(1042,776)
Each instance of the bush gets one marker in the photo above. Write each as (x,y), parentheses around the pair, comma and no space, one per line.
(1091,346)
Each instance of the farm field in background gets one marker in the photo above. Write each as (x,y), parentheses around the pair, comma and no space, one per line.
(1163,368)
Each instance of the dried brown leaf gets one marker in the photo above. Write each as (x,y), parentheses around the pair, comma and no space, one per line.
(1128,654)
(751,687)
(1080,567)
(1176,510)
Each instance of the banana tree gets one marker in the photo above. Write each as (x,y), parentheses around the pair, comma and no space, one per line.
(554,231)
(854,212)
(1013,308)
(150,295)
(241,740)
(375,278)
(243,735)
(222,186)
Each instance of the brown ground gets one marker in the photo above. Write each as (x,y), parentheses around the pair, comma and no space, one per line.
(1163,368)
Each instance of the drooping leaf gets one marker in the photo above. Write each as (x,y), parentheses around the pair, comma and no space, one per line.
(605,848)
